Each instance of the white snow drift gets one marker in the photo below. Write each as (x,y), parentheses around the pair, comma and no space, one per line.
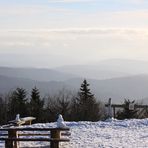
(102,134)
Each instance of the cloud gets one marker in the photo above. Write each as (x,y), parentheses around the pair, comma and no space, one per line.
(77,31)
(95,42)
(135,1)
(54,15)
(44,38)
(71,1)
(132,14)
(98,1)
(30,10)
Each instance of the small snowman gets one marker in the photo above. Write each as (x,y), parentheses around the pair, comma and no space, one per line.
(60,122)
(17,119)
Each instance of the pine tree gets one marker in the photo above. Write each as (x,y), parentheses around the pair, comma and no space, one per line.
(17,103)
(36,105)
(85,105)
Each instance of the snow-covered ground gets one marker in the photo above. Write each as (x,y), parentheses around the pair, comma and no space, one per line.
(108,134)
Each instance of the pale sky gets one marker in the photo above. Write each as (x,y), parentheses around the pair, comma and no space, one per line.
(48,33)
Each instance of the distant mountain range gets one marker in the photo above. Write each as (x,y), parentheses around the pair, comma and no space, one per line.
(132,87)
(35,74)
(10,83)
(107,69)
(117,79)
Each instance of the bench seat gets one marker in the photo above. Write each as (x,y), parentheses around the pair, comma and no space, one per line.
(36,139)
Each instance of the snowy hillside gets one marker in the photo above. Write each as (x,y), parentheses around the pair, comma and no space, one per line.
(107,134)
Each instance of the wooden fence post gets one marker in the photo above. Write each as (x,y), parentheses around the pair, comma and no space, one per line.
(55,134)
(109,108)
(114,110)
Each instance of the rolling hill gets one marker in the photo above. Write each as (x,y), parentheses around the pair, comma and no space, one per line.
(10,83)
(133,87)
(35,74)
(107,69)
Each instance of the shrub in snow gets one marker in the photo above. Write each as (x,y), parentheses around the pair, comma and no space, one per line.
(127,113)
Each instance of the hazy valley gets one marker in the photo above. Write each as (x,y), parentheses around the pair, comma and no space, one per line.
(118,79)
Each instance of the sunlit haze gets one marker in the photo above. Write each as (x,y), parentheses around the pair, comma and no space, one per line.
(50,33)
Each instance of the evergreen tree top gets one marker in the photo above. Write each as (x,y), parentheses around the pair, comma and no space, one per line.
(84,90)
(20,94)
(35,94)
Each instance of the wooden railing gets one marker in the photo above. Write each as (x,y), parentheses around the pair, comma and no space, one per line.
(13,135)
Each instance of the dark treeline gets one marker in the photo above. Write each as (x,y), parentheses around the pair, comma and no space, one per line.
(82,106)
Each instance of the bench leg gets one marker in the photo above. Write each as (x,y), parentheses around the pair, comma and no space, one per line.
(11,144)
(54,144)
(16,144)
(55,134)
(8,144)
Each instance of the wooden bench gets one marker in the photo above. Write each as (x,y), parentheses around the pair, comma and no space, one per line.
(52,135)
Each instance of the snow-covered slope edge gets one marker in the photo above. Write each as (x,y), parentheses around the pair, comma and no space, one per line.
(103,134)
